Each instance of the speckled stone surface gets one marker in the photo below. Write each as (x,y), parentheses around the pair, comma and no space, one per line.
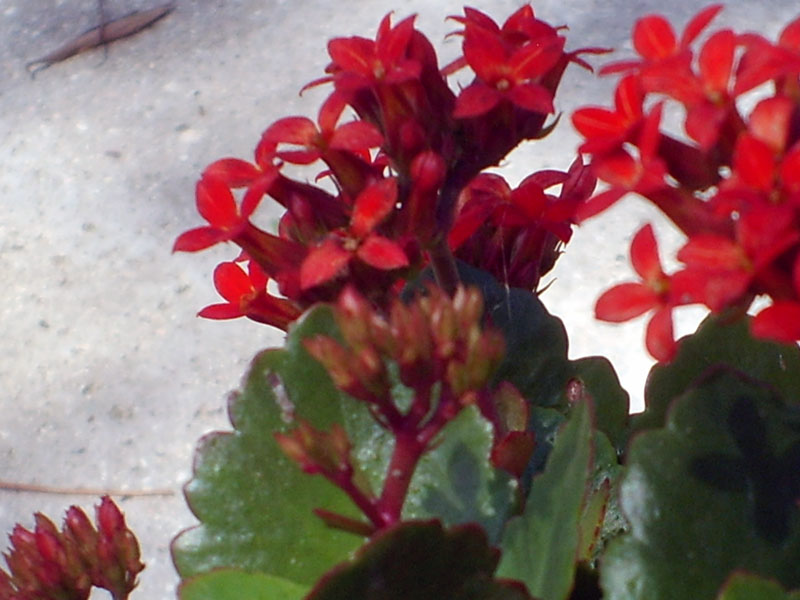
(107,378)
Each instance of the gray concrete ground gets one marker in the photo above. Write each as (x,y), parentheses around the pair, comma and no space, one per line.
(107,378)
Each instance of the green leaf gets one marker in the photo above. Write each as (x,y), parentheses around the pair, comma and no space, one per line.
(714,345)
(456,482)
(713,492)
(743,586)
(232,584)
(540,547)
(254,505)
(611,403)
(423,561)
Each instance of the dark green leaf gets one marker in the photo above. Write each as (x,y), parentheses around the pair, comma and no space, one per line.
(231,584)
(689,527)
(255,505)
(456,482)
(540,547)
(716,345)
(423,561)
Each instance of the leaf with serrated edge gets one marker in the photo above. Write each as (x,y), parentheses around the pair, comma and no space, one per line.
(689,527)
(715,343)
(254,505)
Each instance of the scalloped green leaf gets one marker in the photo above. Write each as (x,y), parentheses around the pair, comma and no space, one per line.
(744,586)
(232,584)
(253,504)
(456,482)
(716,344)
(540,546)
(713,492)
(423,561)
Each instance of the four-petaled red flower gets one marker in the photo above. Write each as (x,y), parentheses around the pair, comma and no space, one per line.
(507,71)
(247,296)
(330,258)
(653,293)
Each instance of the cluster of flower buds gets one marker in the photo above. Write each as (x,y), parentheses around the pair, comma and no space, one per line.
(400,173)
(438,349)
(732,185)
(47,563)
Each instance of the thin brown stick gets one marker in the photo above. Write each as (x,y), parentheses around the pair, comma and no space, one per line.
(47,489)
(105,33)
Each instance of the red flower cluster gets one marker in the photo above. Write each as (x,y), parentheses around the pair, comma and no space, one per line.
(47,563)
(438,349)
(733,187)
(401,173)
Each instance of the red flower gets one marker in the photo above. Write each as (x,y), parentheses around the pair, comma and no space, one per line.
(508,73)
(355,137)
(329,259)
(246,295)
(360,62)
(629,300)
(655,40)
(606,130)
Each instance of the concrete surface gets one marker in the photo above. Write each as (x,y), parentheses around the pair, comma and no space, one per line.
(107,378)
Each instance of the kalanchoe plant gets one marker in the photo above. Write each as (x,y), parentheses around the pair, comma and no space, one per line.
(422,433)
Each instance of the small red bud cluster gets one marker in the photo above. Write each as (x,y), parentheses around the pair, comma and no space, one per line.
(46,563)
(437,348)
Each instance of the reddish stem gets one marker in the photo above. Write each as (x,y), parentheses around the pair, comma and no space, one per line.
(407,451)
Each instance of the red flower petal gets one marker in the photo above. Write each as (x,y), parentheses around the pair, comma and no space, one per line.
(354,54)
(754,162)
(382,253)
(770,121)
(624,302)
(654,38)
(660,337)
(323,263)
(598,122)
(355,136)
(644,255)
(779,322)
(475,100)
(485,53)
(597,204)
(292,130)
(712,252)
(536,59)
(221,312)
(232,282)
(532,97)
(699,22)
(199,239)
(372,206)
(716,61)
(216,204)
(628,98)
(233,172)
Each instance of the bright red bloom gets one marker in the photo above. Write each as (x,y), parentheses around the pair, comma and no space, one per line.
(246,295)
(356,136)
(360,62)
(505,71)
(655,39)
(605,129)
(629,300)
(329,258)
